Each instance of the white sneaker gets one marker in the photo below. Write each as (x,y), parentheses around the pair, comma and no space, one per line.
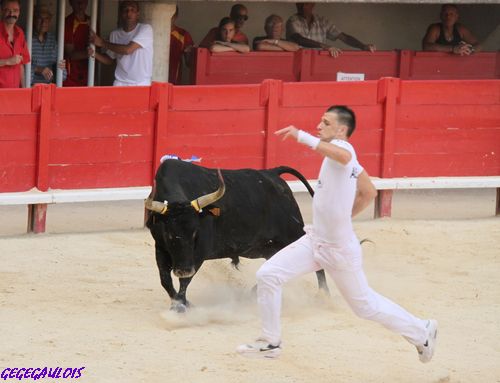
(261,348)
(426,350)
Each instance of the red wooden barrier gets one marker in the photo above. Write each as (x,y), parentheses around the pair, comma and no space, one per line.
(76,138)
(313,65)
(249,68)
(446,66)
(73,138)
(320,66)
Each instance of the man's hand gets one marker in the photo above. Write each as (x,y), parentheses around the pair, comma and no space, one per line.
(47,73)
(370,47)
(334,52)
(289,131)
(91,52)
(95,39)
(462,49)
(14,60)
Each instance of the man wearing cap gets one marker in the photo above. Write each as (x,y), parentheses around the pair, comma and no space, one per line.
(44,49)
(13,49)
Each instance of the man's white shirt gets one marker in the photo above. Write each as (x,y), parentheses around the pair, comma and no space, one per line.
(135,68)
(334,197)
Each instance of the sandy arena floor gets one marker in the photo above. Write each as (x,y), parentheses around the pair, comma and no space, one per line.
(82,297)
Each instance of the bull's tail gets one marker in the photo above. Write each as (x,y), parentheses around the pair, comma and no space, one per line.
(285,169)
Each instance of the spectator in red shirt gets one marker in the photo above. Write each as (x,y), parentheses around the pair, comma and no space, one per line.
(76,38)
(239,14)
(13,49)
(181,46)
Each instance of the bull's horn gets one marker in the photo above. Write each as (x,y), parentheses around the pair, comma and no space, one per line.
(156,206)
(207,199)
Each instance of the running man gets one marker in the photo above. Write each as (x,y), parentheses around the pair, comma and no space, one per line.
(344,190)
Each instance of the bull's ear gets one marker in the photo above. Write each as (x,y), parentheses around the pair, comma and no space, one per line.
(215,211)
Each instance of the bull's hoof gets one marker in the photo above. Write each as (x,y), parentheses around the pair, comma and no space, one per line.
(178,307)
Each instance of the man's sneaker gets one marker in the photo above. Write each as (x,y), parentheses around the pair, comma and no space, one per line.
(426,350)
(259,349)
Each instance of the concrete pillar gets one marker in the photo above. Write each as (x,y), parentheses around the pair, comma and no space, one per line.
(159,14)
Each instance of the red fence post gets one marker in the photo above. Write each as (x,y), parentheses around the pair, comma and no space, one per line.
(159,103)
(305,64)
(271,95)
(388,93)
(405,62)
(42,101)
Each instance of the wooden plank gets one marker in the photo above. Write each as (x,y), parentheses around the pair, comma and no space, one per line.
(76,100)
(458,116)
(452,141)
(17,177)
(15,101)
(441,92)
(446,164)
(373,65)
(216,122)
(216,97)
(103,124)
(82,176)
(101,150)
(327,93)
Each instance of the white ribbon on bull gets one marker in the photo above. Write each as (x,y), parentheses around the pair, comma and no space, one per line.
(198,203)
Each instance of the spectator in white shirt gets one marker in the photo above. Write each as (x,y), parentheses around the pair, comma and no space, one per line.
(131,46)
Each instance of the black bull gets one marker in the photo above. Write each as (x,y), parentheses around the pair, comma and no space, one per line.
(197,214)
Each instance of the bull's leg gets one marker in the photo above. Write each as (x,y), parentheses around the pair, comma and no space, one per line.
(180,303)
(181,295)
(320,274)
(165,268)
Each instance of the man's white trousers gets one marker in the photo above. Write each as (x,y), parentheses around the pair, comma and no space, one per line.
(344,264)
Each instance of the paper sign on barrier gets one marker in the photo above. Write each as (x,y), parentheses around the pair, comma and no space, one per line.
(341,76)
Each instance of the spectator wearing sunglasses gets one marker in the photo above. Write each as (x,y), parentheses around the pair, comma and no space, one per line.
(239,14)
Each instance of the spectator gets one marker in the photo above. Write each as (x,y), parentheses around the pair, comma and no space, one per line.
(44,49)
(272,41)
(181,46)
(449,35)
(312,31)
(131,46)
(225,38)
(239,14)
(76,38)
(13,49)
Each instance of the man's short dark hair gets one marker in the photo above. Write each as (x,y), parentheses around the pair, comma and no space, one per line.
(10,1)
(448,5)
(235,10)
(224,21)
(345,116)
(126,3)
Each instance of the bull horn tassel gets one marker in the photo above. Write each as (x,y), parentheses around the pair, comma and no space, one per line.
(208,199)
(156,206)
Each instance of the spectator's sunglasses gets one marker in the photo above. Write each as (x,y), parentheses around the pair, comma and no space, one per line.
(242,17)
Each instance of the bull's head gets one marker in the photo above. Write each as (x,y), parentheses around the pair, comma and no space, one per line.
(181,224)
